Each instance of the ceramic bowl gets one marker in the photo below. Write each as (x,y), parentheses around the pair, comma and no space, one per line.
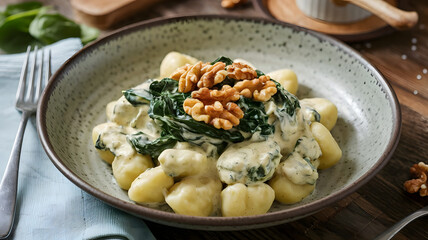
(74,102)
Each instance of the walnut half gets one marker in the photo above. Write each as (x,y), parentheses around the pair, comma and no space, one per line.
(215,107)
(261,89)
(420,172)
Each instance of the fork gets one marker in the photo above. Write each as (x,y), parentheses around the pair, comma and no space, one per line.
(26,103)
(388,234)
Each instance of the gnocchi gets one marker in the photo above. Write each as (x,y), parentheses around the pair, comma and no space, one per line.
(150,186)
(195,196)
(242,200)
(161,154)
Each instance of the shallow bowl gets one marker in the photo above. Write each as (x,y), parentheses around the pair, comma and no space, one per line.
(74,102)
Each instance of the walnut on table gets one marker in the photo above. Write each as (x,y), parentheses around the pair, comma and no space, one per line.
(215,107)
(261,89)
(420,171)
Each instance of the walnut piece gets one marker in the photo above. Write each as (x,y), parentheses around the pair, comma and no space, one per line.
(199,75)
(224,95)
(216,114)
(261,89)
(232,3)
(241,71)
(212,74)
(420,172)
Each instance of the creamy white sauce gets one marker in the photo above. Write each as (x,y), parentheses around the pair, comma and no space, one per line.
(291,151)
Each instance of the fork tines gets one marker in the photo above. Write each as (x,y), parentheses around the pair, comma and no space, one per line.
(33,92)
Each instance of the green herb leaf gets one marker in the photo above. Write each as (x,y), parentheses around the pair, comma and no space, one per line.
(13,9)
(224,59)
(14,36)
(256,174)
(30,23)
(137,97)
(255,118)
(259,73)
(286,102)
(52,27)
(143,145)
(88,34)
(99,144)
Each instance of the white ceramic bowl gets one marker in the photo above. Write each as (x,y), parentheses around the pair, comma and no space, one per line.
(74,102)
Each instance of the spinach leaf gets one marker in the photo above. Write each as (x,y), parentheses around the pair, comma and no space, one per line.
(30,23)
(259,73)
(224,59)
(99,144)
(166,108)
(256,174)
(88,34)
(13,9)
(255,118)
(287,103)
(52,27)
(157,88)
(143,145)
(2,17)
(137,97)
(14,32)
(227,81)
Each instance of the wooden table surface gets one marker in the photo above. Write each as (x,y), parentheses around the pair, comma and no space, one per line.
(403,59)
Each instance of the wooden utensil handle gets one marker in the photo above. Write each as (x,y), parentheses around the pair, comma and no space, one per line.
(395,17)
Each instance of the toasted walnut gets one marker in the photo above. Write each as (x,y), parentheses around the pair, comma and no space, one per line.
(190,78)
(232,3)
(261,89)
(196,109)
(216,114)
(420,171)
(241,71)
(180,71)
(224,95)
(224,116)
(212,74)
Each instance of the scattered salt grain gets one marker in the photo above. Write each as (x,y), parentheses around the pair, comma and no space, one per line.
(404,56)
(415,92)
(424,71)
(414,40)
(419,77)
(414,48)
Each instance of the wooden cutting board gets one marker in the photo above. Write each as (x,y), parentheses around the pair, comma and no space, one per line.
(105,13)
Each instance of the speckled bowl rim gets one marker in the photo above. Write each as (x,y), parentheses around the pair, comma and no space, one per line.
(222,223)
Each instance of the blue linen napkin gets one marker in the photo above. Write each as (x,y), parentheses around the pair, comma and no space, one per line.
(49,206)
